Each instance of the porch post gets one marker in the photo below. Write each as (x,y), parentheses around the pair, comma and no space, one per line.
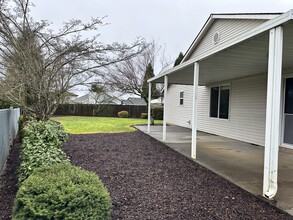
(272,134)
(165,108)
(194,111)
(149,108)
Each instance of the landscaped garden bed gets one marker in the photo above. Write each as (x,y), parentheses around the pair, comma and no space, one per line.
(145,178)
(148,180)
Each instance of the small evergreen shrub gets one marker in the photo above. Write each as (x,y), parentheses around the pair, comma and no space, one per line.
(123,114)
(144,115)
(41,145)
(62,191)
(158,113)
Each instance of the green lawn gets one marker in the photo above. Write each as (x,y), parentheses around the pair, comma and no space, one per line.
(89,125)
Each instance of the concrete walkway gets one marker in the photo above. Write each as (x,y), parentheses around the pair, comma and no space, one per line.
(236,161)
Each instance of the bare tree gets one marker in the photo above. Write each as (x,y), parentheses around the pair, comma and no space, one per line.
(130,76)
(100,94)
(38,65)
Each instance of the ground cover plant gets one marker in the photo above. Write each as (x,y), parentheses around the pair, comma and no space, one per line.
(87,125)
(41,145)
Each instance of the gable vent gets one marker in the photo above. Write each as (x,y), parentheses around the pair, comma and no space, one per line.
(216,37)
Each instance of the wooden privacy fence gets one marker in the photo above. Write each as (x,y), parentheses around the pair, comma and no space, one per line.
(8,130)
(98,110)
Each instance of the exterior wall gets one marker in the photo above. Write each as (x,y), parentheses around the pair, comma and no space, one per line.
(228,29)
(246,114)
(176,114)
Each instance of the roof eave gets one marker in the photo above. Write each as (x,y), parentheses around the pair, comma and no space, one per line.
(212,17)
(279,20)
(199,36)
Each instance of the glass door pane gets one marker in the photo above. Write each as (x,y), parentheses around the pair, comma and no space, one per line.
(288,128)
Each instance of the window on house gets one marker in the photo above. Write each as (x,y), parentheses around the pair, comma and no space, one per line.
(181,100)
(219,102)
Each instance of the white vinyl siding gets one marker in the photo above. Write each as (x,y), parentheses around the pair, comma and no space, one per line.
(227,29)
(181,98)
(179,114)
(246,114)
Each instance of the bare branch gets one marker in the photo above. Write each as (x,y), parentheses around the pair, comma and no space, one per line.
(37,65)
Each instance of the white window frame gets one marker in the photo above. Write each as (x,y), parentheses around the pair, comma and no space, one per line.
(218,113)
(181,98)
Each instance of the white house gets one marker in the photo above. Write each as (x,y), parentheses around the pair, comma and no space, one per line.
(134,101)
(236,80)
(94,98)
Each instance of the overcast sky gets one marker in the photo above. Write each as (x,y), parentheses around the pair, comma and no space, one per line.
(174,24)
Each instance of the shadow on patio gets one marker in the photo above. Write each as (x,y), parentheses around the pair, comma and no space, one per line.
(236,161)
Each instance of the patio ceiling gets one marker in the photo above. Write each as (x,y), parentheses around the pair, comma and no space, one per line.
(244,59)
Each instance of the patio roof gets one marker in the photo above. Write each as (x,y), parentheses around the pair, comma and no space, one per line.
(266,48)
(239,57)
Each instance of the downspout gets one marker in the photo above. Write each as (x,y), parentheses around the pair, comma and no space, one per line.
(272,137)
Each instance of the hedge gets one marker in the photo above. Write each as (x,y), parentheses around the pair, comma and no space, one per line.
(62,191)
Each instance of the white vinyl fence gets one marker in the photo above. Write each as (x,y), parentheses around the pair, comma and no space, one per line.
(8,131)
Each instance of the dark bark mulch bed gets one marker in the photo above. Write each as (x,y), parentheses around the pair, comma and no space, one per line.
(148,180)
(8,182)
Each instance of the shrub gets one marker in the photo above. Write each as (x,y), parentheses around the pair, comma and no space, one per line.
(144,115)
(21,121)
(37,154)
(62,192)
(48,131)
(40,146)
(123,114)
(4,104)
(158,113)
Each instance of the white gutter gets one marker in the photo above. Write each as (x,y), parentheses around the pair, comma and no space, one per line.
(266,26)
(252,16)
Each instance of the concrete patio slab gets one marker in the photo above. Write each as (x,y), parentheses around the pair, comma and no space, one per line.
(236,161)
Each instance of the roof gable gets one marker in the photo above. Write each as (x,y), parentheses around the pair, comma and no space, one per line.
(226,27)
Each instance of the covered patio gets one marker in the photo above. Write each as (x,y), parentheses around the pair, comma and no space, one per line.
(236,161)
(264,50)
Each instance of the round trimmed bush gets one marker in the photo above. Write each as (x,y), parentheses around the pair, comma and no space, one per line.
(123,114)
(144,115)
(62,191)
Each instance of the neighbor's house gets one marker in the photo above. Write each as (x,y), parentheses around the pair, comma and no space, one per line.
(93,98)
(236,80)
(67,97)
(134,101)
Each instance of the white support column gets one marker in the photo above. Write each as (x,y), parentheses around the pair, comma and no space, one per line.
(165,109)
(194,110)
(149,108)
(273,110)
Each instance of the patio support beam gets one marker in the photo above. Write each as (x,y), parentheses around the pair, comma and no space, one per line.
(165,108)
(149,108)
(194,111)
(273,109)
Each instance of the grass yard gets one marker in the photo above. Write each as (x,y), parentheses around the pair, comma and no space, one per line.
(90,125)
